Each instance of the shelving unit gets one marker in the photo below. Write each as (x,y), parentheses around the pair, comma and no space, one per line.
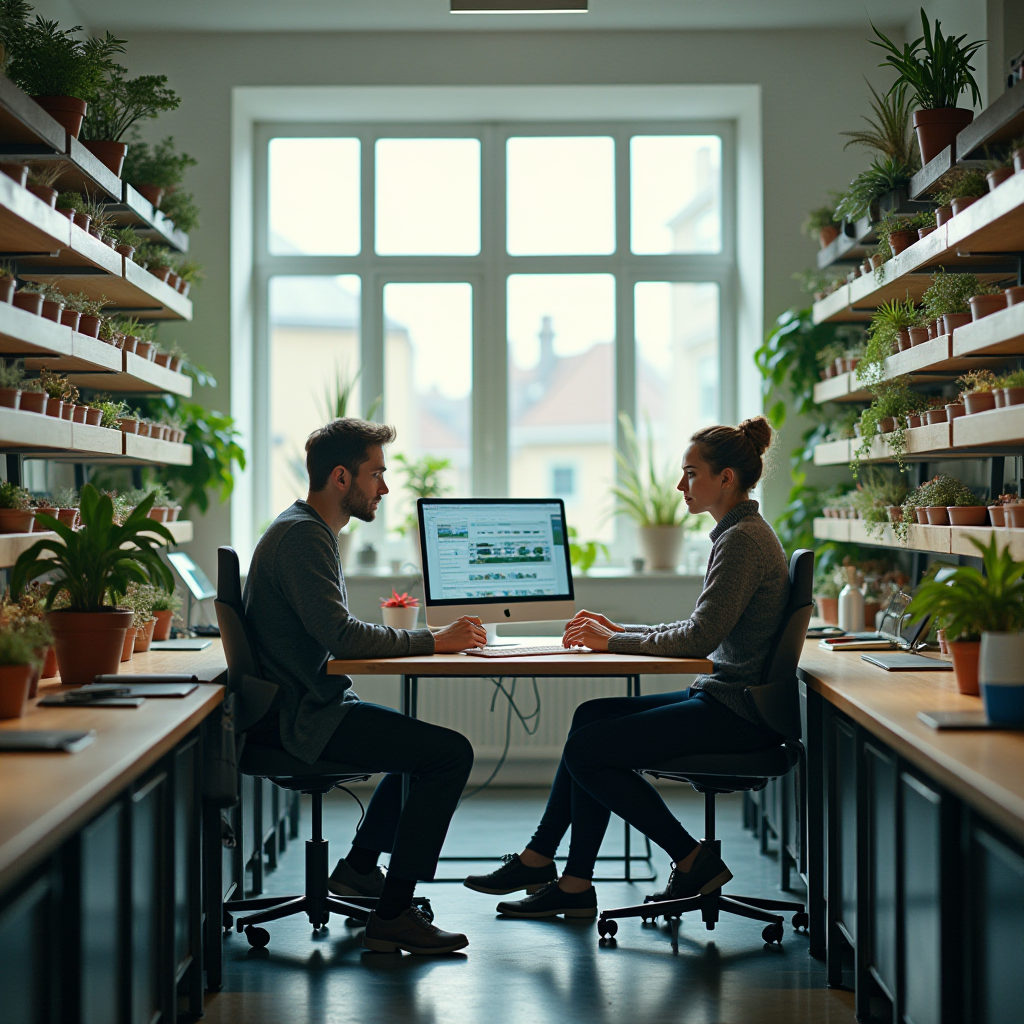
(47,247)
(942,540)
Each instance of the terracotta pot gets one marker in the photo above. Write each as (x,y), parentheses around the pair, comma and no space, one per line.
(16,520)
(936,416)
(900,240)
(1000,394)
(14,686)
(55,408)
(128,647)
(968,515)
(160,273)
(942,215)
(1014,396)
(162,359)
(186,287)
(70,318)
(173,279)
(7,285)
(886,425)
(110,154)
(19,172)
(940,636)
(865,268)
(962,202)
(49,663)
(966,654)
(88,644)
(895,513)
(79,412)
(67,111)
(903,339)
(1015,516)
(913,420)
(31,302)
(997,177)
(129,343)
(145,430)
(93,416)
(828,234)
(144,637)
(953,410)
(828,609)
(152,193)
(979,401)
(997,513)
(937,129)
(1014,295)
(159,514)
(45,193)
(951,321)
(172,513)
(89,325)
(143,349)
(921,515)
(68,516)
(985,305)
(10,398)
(829,371)
(924,232)
(938,515)
(918,335)
(128,425)
(37,526)
(67,411)
(52,310)
(33,401)
(83,220)
(162,624)
(176,363)
(127,251)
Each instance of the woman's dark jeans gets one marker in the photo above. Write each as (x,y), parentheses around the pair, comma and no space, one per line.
(609,741)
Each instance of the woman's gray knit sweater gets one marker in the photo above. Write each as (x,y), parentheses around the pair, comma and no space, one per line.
(737,615)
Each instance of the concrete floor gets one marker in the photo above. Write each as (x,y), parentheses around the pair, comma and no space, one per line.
(531,972)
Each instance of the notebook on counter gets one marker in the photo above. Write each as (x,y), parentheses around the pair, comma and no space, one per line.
(904,662)
(147,689)
(46,740)
(963,720)
(197,644)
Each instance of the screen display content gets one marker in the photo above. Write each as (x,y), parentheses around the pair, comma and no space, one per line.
(498,551)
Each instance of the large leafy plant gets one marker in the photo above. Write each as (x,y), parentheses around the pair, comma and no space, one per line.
(100,559)
(48,61)
(162,165)
(120,102)
(937,72)
(970,602)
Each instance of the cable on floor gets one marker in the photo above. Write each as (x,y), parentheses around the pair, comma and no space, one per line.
(362,809)
(530,724)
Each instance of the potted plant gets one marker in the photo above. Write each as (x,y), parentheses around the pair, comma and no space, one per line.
(41,179)
(894,234)
(126,241)
(181,209)
(16,515)
(970,603)
(960,188)
(948,298)
(821,225)
(29,297)
(11,375)
(59,71)
(888,331)
(936,74)
(423,479)
(400,611)
(27,617)
(17,663)
(91,316)
(945,492)
(191,272)
(8,281)
(116,106)
(923,223)
(886,174)
(879,498)
(887,415)
(110,413)
(53,303)
(87,566)
(826,596)
(977,391)
(156,171)
(166,604)
(583,554)
(33,397)
(826,358)
(61,391)
(988,299)
(141,597)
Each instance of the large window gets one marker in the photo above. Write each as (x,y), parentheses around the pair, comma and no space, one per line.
(502,294)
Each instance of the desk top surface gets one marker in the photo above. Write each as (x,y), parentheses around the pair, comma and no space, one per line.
(589,663)
(984,769)
(46,797)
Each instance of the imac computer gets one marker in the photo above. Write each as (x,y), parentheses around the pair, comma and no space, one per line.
(501,559)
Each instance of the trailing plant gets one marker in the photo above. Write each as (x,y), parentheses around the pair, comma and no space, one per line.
(960,183)
(883,176)
(874,495)
(120,102)
(99,559)
(886,323)
(161,166)
(969,601)
(893,398)
(890,132)
(935,73)
(949,293)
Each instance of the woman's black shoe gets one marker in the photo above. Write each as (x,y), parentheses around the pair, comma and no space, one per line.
(552,901)
(512,876)
(708,873)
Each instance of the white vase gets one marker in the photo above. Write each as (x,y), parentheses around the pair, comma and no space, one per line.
(400,618)
(661,545)
(1001,676)
(851,609)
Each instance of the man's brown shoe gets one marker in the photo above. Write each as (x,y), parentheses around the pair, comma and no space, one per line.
(411,931)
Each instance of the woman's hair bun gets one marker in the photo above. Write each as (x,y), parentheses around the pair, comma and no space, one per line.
(758,432)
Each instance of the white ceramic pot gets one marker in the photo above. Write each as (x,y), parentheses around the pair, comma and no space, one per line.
(1001,676)
(400,618)
(851,609)
(661,545)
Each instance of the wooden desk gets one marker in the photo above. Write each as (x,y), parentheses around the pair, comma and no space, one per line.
(100,857)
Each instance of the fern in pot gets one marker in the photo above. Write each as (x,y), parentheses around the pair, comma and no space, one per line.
(86,567)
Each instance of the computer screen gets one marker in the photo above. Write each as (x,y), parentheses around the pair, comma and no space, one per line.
(499,551)
(192,576)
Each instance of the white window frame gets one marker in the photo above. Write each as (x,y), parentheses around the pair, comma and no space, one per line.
(487,273)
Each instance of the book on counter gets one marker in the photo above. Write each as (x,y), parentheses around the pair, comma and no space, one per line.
(66,741)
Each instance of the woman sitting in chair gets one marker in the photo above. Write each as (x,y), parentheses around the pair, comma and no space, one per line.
(738,614)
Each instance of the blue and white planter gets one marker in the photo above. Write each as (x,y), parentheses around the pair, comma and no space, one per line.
(1001,675)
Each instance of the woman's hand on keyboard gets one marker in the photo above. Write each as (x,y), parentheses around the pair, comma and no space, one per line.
(463,633)
(589,632)
(583,615)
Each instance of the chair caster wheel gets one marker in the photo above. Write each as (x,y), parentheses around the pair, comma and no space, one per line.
(607,929)
(228,922)
(801,921)
(257,937)
(772,933)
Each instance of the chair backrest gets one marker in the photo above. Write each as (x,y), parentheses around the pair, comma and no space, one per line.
(777,698)
(253,695)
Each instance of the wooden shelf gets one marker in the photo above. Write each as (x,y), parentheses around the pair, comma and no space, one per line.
(994,224)
(24,124)
(136,211)
(935,539)
(27,224)
(1006,537)
(997,427)
(843,387)
(149,449)
(999,333)
(833,453)
(1001,121)
(138,376)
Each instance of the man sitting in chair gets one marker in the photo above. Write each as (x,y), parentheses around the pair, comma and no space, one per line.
(296,603)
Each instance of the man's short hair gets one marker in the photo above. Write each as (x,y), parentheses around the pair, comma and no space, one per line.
(345,442)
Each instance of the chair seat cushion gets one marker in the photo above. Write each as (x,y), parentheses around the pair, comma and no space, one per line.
(291,772)
(769,763)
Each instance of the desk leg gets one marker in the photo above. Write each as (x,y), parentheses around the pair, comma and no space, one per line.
(410,691)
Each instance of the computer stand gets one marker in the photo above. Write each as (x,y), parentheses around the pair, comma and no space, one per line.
(493,640)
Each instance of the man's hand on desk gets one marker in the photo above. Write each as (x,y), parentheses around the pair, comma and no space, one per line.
(464,632)
(590,629)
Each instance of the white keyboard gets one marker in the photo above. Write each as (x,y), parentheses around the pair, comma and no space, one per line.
(524,652)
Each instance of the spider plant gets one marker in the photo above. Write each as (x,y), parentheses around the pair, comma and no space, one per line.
(644,494)
(890,131)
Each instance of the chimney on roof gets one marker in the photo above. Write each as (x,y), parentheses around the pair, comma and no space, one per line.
(547,349)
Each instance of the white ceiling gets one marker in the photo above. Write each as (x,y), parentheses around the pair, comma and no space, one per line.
(432,15)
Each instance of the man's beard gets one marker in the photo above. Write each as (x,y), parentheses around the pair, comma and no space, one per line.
(359,506)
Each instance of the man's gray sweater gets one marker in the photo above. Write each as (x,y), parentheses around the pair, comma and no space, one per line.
(296,604)
(737,615)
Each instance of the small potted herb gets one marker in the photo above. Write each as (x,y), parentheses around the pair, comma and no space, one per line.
(826,596)
(53,303)
(946,492)
(29,297)
(18,661)
(988,299)
(92,316)
(400,611)
(126,241)
(977,391)
(33,397)
(62,393)
(41,179)
(190,272)
(8,281)
(923,223)
(165,606)
(156,171)
(895,233)
(139,599)
(821,225)
(11,375)
(960,188)
(1009,389)
(947,297)
(16,515)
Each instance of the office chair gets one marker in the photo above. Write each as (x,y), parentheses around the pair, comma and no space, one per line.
(254,696)
(777,701)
